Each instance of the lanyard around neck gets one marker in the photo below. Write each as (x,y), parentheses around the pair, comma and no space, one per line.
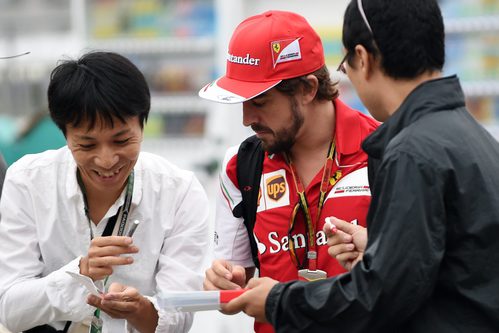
(300,189)
(122,213)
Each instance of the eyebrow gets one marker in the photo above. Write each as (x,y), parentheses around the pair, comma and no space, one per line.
(120,133)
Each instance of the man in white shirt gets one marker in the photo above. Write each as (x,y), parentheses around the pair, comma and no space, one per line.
(57,204)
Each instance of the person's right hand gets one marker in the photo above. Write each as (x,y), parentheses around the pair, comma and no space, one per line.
(224,275)
(347,244)
(104,253)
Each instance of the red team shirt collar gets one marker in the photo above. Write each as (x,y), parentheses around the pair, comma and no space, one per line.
(348,132)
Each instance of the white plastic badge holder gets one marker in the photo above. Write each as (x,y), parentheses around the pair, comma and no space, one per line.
(192,301)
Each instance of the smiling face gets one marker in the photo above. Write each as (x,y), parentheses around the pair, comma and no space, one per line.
(105,155)
(275,118)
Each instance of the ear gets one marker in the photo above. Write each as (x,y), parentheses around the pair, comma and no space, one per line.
(365,62)
(308,93)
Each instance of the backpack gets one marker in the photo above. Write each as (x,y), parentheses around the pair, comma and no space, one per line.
(249,172)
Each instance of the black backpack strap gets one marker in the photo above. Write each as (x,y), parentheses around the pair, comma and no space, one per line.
(249,172)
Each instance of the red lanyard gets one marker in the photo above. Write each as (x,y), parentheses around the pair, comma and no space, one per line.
(311,224)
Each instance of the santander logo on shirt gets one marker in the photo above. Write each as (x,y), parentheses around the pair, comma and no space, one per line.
(277,243)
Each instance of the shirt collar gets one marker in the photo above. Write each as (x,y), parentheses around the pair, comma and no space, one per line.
(138,181)
(72,187)
(348,133)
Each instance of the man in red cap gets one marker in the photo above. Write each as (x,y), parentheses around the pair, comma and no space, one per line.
(307,156)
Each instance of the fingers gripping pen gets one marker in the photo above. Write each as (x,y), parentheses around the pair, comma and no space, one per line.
(133,227)
(130,233)
(331,226)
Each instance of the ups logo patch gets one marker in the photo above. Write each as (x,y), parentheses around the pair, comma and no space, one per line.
(276,187)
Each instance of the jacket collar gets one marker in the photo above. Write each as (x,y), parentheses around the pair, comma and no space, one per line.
(429,97)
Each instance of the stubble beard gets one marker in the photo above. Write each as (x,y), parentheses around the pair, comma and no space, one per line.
(285,138)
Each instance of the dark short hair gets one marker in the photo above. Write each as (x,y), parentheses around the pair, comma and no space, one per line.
(408,35)
(327,90)
(99,85)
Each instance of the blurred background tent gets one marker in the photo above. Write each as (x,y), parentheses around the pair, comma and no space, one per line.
(36,134)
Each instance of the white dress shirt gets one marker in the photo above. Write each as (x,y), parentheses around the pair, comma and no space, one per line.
(44,232)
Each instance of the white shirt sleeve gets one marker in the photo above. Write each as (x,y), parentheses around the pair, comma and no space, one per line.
(180,265)
(231,236)
(23,288)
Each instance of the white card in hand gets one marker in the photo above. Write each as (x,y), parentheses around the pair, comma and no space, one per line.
(86,282)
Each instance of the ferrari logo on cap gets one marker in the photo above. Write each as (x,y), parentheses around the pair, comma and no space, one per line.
(285,50)
(276,47)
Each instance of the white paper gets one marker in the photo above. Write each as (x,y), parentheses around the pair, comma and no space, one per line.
(190,301)
(86,282)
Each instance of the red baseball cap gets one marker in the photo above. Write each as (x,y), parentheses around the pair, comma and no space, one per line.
(264,50)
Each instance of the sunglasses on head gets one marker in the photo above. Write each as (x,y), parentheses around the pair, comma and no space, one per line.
(15,56)
(341,66)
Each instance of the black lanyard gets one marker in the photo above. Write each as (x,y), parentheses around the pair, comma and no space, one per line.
(122,211)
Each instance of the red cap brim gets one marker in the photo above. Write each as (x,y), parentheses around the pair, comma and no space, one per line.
(230,91)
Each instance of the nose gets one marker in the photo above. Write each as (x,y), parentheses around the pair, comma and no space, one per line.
(249,114)
(106,158)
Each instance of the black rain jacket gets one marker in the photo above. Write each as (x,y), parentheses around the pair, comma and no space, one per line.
(432,258)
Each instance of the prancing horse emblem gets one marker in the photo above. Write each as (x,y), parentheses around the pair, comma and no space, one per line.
(276,47)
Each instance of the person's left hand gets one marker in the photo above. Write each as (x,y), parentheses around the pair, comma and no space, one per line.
(126,302)
(119,302)
(252,302)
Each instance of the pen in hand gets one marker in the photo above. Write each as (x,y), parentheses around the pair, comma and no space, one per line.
(332,227)
(130,233)
(133,227)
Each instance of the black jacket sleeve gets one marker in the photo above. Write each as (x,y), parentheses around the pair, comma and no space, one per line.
(399,268)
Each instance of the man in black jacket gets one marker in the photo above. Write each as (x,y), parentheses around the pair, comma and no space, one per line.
(431,261)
